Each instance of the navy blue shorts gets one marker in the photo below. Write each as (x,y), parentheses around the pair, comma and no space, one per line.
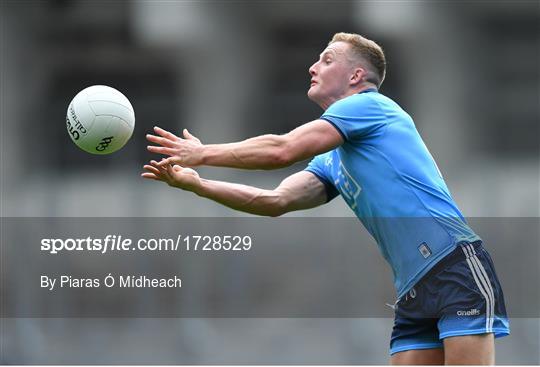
(461,295)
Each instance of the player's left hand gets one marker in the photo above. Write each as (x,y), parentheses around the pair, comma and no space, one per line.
(173,175)
(186,152)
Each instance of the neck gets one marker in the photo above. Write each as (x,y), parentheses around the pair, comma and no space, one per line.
(365,87)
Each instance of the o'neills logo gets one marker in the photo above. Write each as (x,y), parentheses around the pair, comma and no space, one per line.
(77,129)
(104,143)
(471,312)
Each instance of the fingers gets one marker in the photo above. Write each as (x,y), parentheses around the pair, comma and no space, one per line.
(166,162)
(156,163)
(151,169)
(188,136)
(166,134)
(156,172)
(160,150)
(150,176)
(161,166)
(159,140)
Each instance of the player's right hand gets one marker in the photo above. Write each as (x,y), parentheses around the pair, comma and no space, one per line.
(186,151)
(173,175)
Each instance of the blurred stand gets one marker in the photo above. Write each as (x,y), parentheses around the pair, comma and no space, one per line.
(466,71)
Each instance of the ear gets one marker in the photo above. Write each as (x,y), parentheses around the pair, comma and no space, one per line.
(357,76)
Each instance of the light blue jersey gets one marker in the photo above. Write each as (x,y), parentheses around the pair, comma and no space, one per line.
(387,176)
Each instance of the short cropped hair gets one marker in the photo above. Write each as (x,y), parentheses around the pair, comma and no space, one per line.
(368,51)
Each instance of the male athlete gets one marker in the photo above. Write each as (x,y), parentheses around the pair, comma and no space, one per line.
(366,148)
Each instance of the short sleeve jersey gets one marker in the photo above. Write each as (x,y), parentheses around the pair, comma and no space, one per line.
(387,176)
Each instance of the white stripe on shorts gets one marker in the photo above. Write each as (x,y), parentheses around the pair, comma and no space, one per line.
(489,288)
(482,282)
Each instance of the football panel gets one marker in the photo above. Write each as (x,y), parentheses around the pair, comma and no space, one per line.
(107,136)
(79,118)
(113,107)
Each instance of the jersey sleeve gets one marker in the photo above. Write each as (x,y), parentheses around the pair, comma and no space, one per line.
(318,168)
(355,117)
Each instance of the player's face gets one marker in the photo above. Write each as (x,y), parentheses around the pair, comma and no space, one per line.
(331,75)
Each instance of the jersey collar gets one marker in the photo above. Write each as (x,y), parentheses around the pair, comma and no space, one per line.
(371,89)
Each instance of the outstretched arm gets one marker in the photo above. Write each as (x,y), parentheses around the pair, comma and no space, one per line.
(261,152)
(302,190)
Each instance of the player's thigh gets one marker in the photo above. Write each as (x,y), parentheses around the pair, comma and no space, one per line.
(418,357)
(469,349)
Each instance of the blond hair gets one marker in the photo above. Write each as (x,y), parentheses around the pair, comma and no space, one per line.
(368,51)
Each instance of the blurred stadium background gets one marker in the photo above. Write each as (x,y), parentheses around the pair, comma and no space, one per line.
(468,72)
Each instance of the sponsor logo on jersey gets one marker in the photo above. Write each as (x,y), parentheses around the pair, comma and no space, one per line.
(349,188)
